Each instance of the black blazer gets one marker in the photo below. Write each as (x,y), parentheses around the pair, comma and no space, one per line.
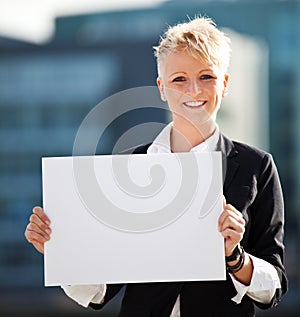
(251,184)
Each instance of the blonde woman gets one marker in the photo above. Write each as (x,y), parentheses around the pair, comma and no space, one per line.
(192,61)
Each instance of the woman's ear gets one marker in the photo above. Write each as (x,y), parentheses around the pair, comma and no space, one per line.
(161,89)
(225,82)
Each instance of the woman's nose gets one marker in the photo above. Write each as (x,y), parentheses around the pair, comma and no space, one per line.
(194,89)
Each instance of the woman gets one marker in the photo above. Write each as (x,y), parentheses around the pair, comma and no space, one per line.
(192,60)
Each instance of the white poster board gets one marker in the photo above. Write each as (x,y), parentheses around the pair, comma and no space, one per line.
(133,218)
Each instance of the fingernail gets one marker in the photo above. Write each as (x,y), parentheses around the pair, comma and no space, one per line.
(48,231)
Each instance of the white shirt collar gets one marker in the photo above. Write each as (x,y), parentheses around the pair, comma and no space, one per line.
(161,144)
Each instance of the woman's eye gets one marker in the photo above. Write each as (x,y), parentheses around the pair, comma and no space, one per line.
(205,77)
(178,79)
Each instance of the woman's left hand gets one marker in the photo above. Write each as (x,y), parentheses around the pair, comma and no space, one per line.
(232,227)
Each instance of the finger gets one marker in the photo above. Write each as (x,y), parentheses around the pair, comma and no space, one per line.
(34,218)
(229,213)
(32,236)
(232,238)
(231,234)
(231,208)
(36,243)
(41,214)
(34,228)
(236,217)
(233,224)
(227,209)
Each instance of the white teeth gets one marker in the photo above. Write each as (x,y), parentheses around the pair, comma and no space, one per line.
(194,103)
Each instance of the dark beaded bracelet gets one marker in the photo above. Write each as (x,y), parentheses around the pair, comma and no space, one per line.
(235,268)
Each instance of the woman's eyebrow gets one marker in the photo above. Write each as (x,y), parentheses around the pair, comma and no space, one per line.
(177,73)
(183,72)
(206,70)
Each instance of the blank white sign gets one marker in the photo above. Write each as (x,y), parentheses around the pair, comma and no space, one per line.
(133,218)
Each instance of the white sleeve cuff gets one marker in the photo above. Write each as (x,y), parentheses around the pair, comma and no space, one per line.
(84,294)
(263,284)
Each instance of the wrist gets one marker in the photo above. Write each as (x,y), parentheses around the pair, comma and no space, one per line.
(236,253)
(237,259)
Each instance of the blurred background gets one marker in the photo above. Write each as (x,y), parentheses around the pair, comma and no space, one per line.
(60,59)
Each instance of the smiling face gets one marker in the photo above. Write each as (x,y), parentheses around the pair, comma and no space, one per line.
(193,89)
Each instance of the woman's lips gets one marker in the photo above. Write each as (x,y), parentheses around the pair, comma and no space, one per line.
(194,104)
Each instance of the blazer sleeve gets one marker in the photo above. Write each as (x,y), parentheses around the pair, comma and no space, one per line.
(111,291)
(265,239)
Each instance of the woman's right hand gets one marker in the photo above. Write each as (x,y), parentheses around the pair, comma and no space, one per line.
(38,230)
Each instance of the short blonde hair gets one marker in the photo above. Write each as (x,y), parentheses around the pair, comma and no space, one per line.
(199,37)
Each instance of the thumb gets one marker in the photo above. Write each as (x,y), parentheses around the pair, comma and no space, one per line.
(224,202)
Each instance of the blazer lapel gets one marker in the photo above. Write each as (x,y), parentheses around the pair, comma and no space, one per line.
(230,163)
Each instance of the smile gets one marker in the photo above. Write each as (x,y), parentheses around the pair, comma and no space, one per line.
(194,104)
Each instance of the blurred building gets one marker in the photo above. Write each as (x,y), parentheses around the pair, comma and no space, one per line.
(46,91)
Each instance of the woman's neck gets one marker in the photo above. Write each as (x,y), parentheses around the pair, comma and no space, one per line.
(185,135)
